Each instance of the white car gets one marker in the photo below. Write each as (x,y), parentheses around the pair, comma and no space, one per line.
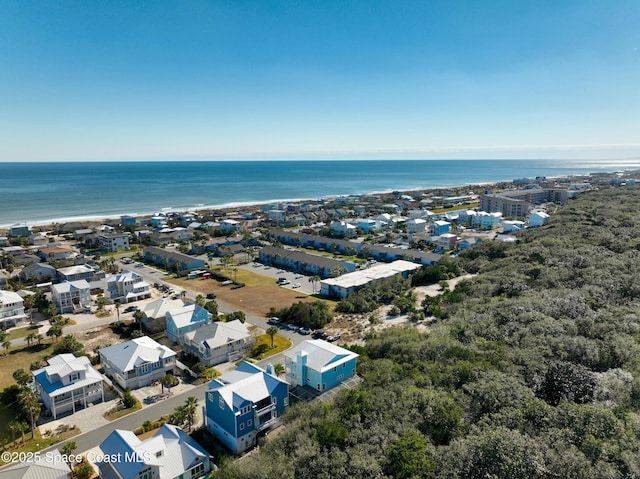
(296,285)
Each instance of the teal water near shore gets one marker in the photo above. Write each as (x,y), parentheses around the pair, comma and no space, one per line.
(46,192)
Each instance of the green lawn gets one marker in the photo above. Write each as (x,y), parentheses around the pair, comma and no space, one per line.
(280,343)
(21,332)
(21,358)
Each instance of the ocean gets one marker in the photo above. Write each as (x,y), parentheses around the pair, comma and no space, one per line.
(38,193)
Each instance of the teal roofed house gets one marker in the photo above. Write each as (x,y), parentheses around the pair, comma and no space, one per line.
(319,364)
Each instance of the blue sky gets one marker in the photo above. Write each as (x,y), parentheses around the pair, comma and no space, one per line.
(111,80)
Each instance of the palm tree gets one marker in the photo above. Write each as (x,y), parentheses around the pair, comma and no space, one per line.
(117,306)
(31,337)
(272,331)
(191,405)
(28,400)
(6,344)
(313,280)
(278,369)
(179,415)
(200,300)
(68,448)
(168,381)
(38,338)
(138,316)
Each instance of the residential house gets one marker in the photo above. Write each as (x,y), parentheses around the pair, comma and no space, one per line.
(86,234)
(538,218)
(187,318)
(369,225)
(486,220)
(349,283)
(416,226)
(68,383)
(11,309)
(186,219)
(439,227)
(318,364)
(80,271)
(71,296)
(343,229)
(468,242)
(447,241)
(37,239)
(138,362)
(70,227)
(114,242)
(20,230)
(173,259)
(57,252)
(155,313)
(218,342)
(127,220)
(279,216)
(169,454)
(51,465)
(38,272)
(158,220)
(230,226)
(126,286)
(243,403)
(512,226)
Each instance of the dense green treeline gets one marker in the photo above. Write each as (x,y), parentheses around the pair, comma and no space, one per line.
(531,369)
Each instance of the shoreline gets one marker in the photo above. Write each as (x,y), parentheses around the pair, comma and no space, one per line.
(43,224)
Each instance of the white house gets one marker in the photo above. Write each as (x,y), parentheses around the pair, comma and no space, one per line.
(71,296)
(11,309)
(278,216)
(126,287)
(114,241)
(218,342)
(168,454)
(538,218)
(416,225)
(138,362)
(510,226)
(68,383)
(342,228)
(230,225)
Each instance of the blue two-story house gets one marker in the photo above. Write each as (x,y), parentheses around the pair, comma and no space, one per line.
(185,319)
(319,364)
(244,403)
(138,362)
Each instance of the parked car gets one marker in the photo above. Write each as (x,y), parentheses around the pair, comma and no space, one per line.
(333,337)
(226,283)
(283,281)
(319,334)
(296,285)
(293,327)
(130,309)
(273,320)
(304,331)
(211,295)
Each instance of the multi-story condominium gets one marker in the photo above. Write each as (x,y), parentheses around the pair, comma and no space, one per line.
(508,206)
(72,296)
(319,364)
(244,403)
(11,309)
(138,362)
(126,287)
(114,241)
(68,383)
(169,454)
(218,342)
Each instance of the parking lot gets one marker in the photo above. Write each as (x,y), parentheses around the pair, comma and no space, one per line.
(295,281)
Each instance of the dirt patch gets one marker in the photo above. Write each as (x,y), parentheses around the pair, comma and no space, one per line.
(254,300)
(99,337)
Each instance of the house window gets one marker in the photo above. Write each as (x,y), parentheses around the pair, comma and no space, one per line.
(249,422)
(221,402)
(241,426)
(344,365)
(144,369)
(146,473)
(74,376)
(335,369)
(274,400)
(156,365)
(197,471)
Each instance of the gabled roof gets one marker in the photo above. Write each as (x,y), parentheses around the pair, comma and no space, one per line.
(321,355)
(133,353)
(46,466)
(9,297)
(248,383)
(218,334)
(60,366)
(171,449)
(68,286)
(187,315)
(159,307)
